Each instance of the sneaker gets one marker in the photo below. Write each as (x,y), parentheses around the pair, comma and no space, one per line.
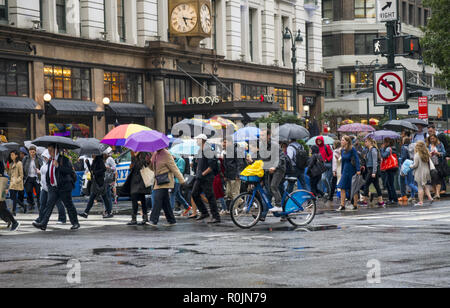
(15,226)
(60,223)
(186,211)
(84,215)
(382,204)
(170,224)
(276,209)
(341,209)
(418,204)
(222,213)
(152,224)
(283,219)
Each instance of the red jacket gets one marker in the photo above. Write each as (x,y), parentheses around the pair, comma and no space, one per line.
(325,150)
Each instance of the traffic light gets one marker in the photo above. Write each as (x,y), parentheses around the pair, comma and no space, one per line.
(380,46)
(411,45)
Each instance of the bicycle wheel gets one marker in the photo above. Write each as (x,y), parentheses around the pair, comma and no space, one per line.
(244,212)
(303,217)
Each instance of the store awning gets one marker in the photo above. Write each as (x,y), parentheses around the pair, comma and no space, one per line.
(72,107)
(128,110)
(18,105)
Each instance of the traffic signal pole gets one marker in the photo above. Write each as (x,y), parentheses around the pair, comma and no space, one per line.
(390,31)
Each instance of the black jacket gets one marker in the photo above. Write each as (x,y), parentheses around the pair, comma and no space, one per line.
(233,166)
(2,168)
(63,174)
(134,183)
(98,169)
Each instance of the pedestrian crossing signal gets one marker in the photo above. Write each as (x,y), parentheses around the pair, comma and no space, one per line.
(411,45)
(379,46)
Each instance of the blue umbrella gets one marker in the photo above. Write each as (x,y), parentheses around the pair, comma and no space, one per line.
(328,140)
(188,147)
(248,133)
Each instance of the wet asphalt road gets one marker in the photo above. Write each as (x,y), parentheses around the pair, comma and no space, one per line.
(412,246)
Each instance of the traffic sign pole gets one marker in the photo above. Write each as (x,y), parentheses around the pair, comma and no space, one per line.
(390,31)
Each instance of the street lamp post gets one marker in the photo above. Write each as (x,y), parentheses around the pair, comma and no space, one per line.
(358,68)
(287,35)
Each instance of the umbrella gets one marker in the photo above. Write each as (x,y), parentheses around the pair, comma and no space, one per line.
(348,121)
(355,128)
(188,147)
(327,139)
(3,151)
(147,141)
(90,146)
(173,140)
(357,183)
(417,121)
(192,128)
(293,131)
(61,142)
(248,133)
(225,122)
(213,123)
(11,146)
(39,150)
(382,134)
(118,135)
(399,125)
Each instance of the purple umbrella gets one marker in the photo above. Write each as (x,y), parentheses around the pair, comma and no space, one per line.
(147,141)
(382,134)
(356,128)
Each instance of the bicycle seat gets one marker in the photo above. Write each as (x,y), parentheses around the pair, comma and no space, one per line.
(291,179)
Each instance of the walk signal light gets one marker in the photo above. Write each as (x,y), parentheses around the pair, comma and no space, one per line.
(411,45)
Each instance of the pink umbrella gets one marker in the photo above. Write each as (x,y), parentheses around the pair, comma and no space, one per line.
(356,128)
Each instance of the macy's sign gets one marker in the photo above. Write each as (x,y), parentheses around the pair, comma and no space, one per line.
(201,100)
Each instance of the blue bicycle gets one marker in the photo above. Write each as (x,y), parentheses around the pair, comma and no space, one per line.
(299,207)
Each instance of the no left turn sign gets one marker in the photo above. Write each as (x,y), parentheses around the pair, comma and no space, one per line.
(389,87)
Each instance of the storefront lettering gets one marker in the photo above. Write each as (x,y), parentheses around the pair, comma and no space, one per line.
(267,98)
(202,100)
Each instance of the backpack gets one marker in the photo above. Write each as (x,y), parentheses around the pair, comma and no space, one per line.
(301,157)
(216,166)
(443,139)
(318,166)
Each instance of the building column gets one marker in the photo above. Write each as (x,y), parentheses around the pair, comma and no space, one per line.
(37,88)
(131,22)
(98,93)
(49,16)
(233,29)
(221,27)
(257,37)
(163,20)
(111,21)
(147,21)
(245,34)
(268,33)
(22,13)
(92,18)
(160,109)
(278,40)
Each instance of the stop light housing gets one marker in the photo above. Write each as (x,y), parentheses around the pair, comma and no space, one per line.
(411,45)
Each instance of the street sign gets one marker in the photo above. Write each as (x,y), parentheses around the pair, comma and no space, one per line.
(423,108)
(387,10)
(390,87)
(413,112)
(380,46)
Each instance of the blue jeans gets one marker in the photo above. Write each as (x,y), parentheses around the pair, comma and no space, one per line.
(62,217)
(410,182)
(390,185)
(328,175)
(176,195)
(402,179)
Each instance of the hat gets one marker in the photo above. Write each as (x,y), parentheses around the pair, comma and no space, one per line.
(46,154)
(201,136)
(107,151)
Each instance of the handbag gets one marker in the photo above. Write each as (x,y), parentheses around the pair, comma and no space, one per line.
(389,163)
(3,187)
(148,176)
(162,179)
(189,182)
(110,176)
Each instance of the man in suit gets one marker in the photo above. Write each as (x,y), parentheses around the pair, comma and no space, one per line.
(60,186)
(31,166)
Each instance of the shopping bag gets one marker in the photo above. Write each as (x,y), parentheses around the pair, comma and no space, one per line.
(148,176)
(256,169)
(389,163)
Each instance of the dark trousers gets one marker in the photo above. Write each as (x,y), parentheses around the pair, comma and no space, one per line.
(314,181)
(300,175)
(162,201)
(205,186)
(62,217)
(135,198)
(390,179)
(106,203)
(5,214)
(375,181)
(15,197)
(29,185)
(333,185)
(54,194)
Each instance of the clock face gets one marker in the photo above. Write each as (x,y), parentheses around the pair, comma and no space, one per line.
(184,18)
(205,18)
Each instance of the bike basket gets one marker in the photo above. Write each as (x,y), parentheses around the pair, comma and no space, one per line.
(252,179)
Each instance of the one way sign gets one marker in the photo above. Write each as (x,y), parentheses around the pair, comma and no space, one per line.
(387,10)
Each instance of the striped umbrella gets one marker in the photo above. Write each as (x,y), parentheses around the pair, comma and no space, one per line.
(119,135)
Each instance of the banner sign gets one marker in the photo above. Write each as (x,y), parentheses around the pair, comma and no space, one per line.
(423,107)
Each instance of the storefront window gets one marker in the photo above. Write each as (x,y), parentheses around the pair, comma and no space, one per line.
(365,9)
(352,80)
(225,92)
(123,87)
(67,82)
(15,128)
(284,98)
(70,127)
(177,89)
(252,92)
(13,78)
(364,43)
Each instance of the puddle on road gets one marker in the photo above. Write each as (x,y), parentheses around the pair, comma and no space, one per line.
(135,251)
(305,229)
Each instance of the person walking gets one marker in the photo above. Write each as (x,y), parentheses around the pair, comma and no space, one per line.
(437,152)
(276,176)
(62,217)
(61,178)
(327,156)
(204,181)
(31,173)
(176,194)
(386,150)
(404,156)
(422,171)
(316,167)
(110,179)
(444,141)
(373,172)
(337,170)
(299,159)
(350,167)
(165,169)
(15,173)
(135,187)
(233,164)
(99,188)
(5,214)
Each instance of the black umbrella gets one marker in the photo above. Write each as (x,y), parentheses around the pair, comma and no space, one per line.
(192,128)
(293,131)
(90,146)
(417,122)
(12,146)
(399,125)
(61,142)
